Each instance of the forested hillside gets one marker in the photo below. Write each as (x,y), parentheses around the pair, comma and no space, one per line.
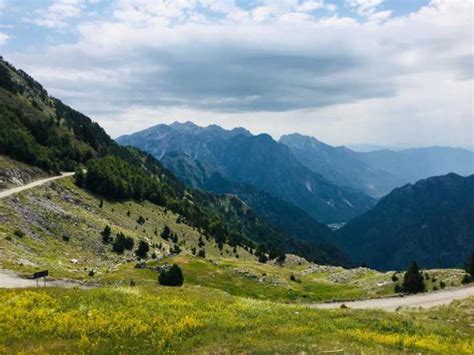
(430,222)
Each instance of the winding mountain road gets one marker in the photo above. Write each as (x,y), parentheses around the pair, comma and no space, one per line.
(14,190)
(424,300)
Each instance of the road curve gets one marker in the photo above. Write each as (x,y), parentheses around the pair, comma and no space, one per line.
(14,190)
(424,300)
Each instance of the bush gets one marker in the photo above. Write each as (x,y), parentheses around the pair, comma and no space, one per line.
(442,284)
(413,281)
(91,273)
(176,249)
(398,288)
(394,277)
(171,277)
(201,253)
(280,260)
(165,234)
(19,233)
(201,243)
(142,250)
(121,243)
(66,238)
(141,220)
(466,279)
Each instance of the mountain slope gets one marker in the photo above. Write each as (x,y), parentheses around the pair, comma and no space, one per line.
(256,160)
(275,211)
(340,165)
(430,222)
(419,163)
(40,130)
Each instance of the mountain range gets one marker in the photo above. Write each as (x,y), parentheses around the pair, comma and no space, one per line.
(341,165)
(419,163)
(260,161)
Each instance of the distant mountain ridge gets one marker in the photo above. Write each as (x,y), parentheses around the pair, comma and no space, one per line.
(275,211)
(257,160)
(431,222)
(341,165)
(419,163)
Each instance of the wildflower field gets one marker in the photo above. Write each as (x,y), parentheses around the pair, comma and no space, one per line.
(198,319)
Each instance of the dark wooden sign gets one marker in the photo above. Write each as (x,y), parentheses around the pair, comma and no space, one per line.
(39,274)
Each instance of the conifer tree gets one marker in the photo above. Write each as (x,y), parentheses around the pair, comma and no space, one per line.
(413,281)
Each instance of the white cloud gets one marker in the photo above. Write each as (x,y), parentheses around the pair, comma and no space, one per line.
(270,67)
(368,9)
(57,14)
(3,38)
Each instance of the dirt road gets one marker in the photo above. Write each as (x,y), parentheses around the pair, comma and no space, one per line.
(9,279)
(14,190)
(425,300)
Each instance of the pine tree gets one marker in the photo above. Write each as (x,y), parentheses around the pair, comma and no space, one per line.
(106,239)
(469,267)
(142,250)
(413,281)
(166,233)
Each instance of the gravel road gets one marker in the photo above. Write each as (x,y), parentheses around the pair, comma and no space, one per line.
(425,300)
(9,279)
(14,190)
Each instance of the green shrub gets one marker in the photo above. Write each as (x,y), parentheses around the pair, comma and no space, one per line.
(122,243)
(142,250)
(466,279)
(171,277)
(19,233)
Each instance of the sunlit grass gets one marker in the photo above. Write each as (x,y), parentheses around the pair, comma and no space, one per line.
(134,319)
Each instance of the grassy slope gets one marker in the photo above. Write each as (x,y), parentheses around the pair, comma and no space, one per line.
(179,320)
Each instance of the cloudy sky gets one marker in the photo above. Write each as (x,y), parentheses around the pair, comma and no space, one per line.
(390,72)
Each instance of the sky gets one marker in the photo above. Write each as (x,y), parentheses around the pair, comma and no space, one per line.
(387,72)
